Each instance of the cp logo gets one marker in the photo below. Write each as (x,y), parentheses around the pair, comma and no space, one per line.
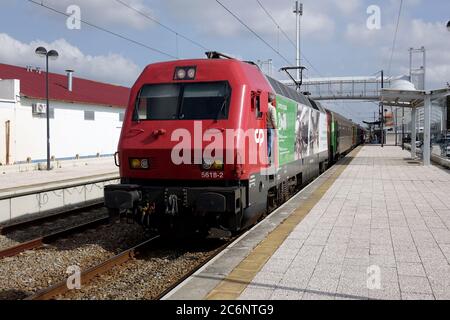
(259,136)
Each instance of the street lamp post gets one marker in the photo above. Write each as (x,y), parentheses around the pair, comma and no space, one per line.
(53,54)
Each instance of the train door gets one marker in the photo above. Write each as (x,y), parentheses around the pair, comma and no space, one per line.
(259,109)
(258,183)
(330,149)
(337,137)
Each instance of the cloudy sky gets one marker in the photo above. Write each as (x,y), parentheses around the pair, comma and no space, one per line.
(335,37)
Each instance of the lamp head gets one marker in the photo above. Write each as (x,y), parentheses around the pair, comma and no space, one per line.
(41,51)
(53,54)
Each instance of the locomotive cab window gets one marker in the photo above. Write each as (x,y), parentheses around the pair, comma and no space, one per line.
(205,101)
(183,101)
(157,102)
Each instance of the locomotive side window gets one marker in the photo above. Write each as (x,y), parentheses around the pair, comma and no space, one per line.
(183,101)
(259,114)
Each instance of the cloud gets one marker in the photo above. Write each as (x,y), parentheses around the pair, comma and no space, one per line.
(413,33)
(210,19)
(108,12)
(359,34)
(111,67)
(348,7)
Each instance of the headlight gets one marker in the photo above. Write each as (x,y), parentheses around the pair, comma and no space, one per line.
(144,163)
(207,164)
(191,73)
(181,73)
(212,164)
(185,73)
(137,163)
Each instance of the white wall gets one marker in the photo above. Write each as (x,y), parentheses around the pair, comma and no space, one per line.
(9,89)
(70,134)
(9,95)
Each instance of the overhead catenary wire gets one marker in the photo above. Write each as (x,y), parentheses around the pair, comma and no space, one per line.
(286,35)
(395,36)
(176,33)
(41,4)
(254,32)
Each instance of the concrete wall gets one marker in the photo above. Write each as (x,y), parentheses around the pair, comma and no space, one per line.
(70,134)
(52,201)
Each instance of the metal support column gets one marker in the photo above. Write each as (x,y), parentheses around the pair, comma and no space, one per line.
(396,126)
(403,130)
(413,132)
(426,131)
(298,10)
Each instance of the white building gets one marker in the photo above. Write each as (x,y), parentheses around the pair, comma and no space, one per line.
(85,116)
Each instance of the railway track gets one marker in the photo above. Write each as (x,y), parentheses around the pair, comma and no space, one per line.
(87,275)
(123,265)
(47,239)
(84,246)
(12,227)
(146,253)
(192,271)
(44,229)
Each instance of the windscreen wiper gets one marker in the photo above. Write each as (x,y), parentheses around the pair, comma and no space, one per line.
(225,101)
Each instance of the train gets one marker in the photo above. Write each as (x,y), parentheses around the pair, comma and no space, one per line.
(193,151)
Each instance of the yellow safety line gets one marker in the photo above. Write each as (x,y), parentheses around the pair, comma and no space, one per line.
(234,284)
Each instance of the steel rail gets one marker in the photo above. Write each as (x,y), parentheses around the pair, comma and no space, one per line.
(195,269)
(8,228)
(87,275)
(41,241)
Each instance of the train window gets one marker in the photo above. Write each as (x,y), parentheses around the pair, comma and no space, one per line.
(157,102)
(205,101)
(258,107)
(183,101)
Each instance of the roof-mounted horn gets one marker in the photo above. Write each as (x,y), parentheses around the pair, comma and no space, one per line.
(217,55)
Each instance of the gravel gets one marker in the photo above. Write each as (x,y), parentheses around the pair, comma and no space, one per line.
(149,274)
(30,271)
(62,223)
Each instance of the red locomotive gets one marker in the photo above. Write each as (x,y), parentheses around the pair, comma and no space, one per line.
(193,147)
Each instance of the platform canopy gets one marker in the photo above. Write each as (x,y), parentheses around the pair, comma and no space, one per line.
(403,94)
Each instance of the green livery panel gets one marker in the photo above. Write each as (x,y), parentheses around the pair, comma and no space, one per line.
(286,116)
(302,131)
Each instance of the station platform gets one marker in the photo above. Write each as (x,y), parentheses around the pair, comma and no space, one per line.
(374,226)
(13,181)
(26,193)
